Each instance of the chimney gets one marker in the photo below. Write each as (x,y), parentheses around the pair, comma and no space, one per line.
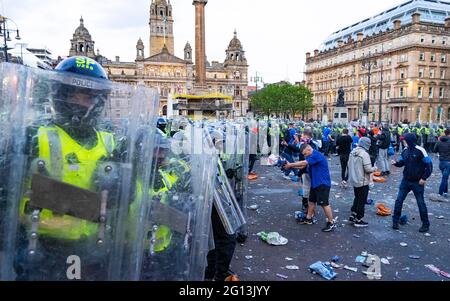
(308,55)
(397,24)
(447,23)
(416,18)
(360,36)
(316,52)
(117,59)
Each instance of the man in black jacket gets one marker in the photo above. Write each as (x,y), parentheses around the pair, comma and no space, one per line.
(443,148)
(384,140)
(344,148)
(418,168)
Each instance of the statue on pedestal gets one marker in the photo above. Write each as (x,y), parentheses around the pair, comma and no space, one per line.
(341,97)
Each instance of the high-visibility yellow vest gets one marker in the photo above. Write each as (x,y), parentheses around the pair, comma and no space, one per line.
(163,235)
(55,147)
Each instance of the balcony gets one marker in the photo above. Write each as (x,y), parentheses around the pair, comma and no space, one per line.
(400,100)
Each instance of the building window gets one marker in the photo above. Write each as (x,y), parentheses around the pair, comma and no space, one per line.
(389,62)
(432,71)
(433,40)
(422,56)
(443,58)
(402,73)
(374,94)
(403,58)
(441,93)
(420,73)
(419,92)
(433,57)
(442,74)
(431,90)
(388,94)
(444,41)
(117,103)
(402,92)
(422,39)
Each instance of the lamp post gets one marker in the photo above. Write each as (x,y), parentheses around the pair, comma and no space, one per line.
(369,63)
(5,32)
(256,79)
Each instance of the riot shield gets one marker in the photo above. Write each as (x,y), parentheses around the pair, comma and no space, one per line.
(226,204)
(177,226)
(70,175)
(229,142)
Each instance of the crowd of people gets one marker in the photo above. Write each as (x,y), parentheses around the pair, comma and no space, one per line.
(365,154)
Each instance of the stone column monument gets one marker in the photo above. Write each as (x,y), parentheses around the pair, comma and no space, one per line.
(200,48)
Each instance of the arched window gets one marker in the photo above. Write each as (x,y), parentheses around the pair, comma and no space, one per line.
(161,12)
(81,48)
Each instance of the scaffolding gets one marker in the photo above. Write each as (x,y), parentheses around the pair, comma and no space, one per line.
(207,106)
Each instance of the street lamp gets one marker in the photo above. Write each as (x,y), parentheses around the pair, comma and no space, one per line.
(369,63)
(257,79)
(5,32)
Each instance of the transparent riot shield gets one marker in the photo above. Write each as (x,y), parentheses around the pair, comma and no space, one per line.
(226,204)
(227,194)
(242,162)
(177,226)
(70,174)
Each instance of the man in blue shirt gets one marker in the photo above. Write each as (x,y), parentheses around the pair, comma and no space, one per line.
(317,166)
(326,140)
(418,168)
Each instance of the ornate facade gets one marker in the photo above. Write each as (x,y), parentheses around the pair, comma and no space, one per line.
(171,75)
(407,50)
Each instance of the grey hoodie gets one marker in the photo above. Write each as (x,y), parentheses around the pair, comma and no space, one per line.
(359,168)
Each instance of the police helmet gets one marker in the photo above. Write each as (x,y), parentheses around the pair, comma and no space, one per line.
(80,93)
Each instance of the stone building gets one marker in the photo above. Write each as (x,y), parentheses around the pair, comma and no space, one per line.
(406,49)
(82,43)
(169,74)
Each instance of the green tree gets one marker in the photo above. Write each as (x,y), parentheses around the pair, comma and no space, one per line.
(283,100)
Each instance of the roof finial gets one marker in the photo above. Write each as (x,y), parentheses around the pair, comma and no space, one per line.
(235,33)
(82,21)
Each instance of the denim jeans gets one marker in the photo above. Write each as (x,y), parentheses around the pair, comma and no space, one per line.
(325,148)
(418,190)
(444,166)
(383,160)
(289,157)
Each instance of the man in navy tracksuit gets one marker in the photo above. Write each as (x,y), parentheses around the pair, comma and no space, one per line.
(418,168)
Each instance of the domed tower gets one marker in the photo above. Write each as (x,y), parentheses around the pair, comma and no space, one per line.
(139,50)
(161,27)
(235,53)
(82,43)
(188,52)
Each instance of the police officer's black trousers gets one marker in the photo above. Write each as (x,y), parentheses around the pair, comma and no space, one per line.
(220,258)
(252,161)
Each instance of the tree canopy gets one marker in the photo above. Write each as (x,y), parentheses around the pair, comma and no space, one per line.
(284,100)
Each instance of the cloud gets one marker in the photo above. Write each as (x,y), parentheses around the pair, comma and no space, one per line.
(275,34)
